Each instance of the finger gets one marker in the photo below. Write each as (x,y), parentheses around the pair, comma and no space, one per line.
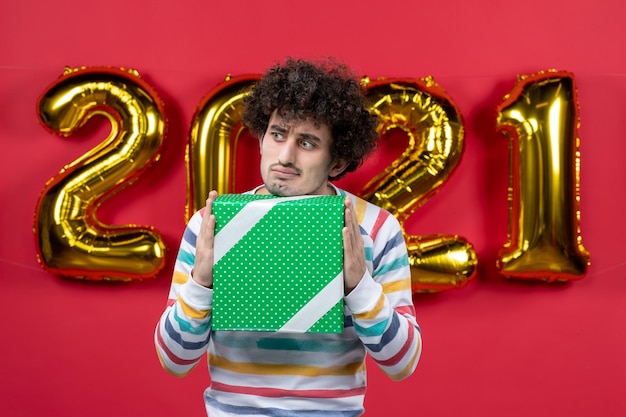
(210,230)
(210,199)
(347,240)
(351,221)
(208,209)
(205,238)
(348,213)
(347,229)
(209,223)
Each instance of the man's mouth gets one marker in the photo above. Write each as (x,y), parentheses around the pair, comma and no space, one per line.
(282,171)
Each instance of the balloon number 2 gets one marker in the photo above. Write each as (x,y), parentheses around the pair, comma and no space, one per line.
(72,242)
(70,239)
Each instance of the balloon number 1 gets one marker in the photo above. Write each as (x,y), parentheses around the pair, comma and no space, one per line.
(541,118)
(72,242)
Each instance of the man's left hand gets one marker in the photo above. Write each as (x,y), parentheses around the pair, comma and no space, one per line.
(353,249)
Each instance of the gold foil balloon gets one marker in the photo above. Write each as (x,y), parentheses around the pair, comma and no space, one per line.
(422,109)
(215,130)
(540,116)
(70,239)
(440,262)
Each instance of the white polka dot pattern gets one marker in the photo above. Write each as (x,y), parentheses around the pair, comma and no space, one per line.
(279,265)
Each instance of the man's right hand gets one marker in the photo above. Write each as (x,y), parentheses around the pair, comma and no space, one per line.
(202,271)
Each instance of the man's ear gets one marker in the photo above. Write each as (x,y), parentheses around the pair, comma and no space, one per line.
(337,167)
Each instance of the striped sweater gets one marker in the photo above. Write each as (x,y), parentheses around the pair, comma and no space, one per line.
(304,375)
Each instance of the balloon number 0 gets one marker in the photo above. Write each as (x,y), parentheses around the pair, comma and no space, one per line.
(72,242)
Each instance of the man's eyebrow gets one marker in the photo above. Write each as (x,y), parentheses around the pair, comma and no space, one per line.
(301,135)
(309,136)
(279,128)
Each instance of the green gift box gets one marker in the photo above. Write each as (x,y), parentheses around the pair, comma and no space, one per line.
(278,263)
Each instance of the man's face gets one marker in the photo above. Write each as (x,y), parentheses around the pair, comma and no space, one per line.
(295,158)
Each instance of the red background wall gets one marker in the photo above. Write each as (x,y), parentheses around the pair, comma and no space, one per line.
(494,348)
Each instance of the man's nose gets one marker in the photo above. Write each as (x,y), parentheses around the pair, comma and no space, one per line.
(287,152)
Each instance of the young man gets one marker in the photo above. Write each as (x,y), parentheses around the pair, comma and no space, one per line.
(313,127)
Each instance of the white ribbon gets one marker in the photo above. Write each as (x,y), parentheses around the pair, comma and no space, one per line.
(243,222)
(315,309)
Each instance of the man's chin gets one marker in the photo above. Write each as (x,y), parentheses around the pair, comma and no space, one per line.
(279,190)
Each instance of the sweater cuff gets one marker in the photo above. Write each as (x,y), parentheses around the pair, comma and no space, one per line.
(196,296)
(364,296)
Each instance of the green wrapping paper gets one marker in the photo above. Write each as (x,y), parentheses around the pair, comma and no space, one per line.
(278,263)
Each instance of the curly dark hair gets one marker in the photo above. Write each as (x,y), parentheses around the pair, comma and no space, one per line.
(325,92)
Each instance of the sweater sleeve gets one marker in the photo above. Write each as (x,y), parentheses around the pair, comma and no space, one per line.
(381,305)
(182,333)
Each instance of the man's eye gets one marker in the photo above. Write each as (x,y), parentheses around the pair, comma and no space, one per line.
(307,144)
(277,135)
